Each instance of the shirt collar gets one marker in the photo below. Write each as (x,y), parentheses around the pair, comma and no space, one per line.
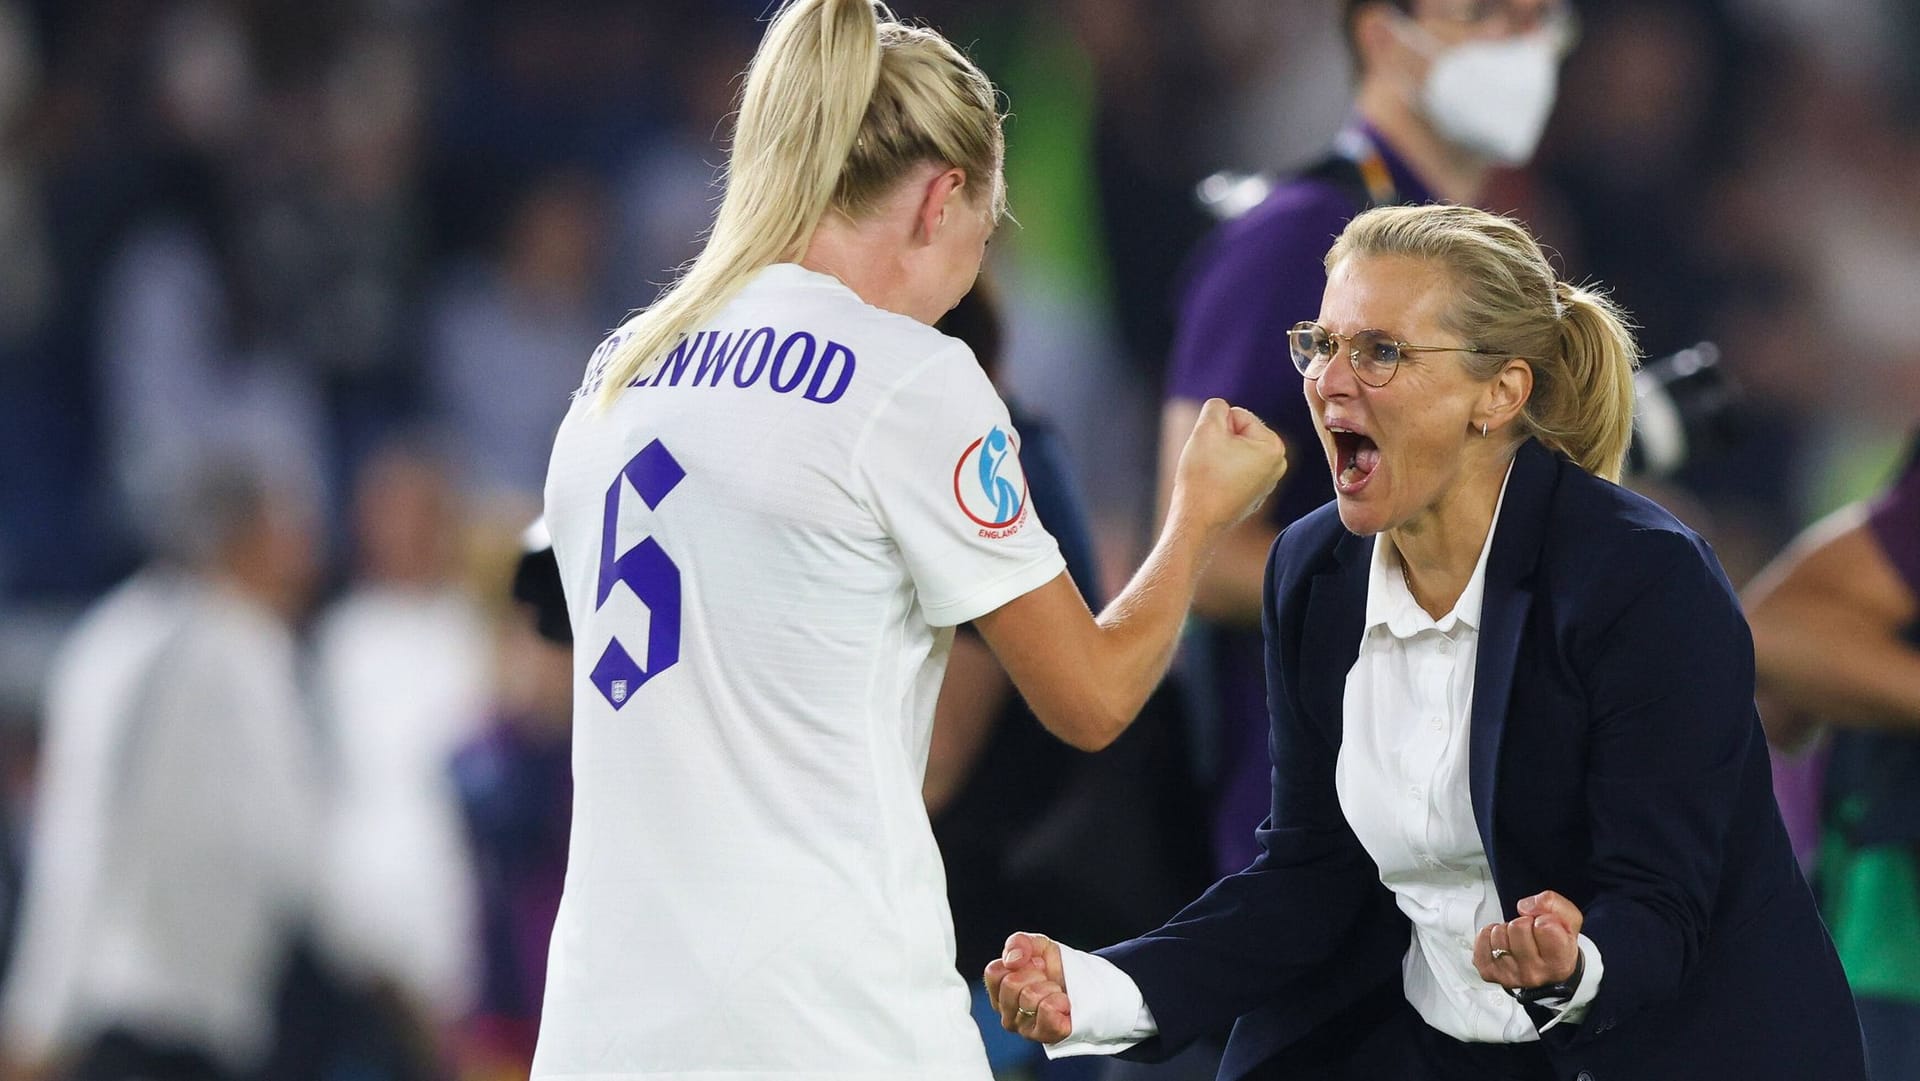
(1390,603)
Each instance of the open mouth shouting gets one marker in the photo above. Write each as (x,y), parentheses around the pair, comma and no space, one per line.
(1354,457)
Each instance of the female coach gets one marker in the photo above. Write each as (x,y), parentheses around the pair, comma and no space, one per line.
(1522,821)
(777,492)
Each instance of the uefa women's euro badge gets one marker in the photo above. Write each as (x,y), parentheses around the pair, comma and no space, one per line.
(990,486)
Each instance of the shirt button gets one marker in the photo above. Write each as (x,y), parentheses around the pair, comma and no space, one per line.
(1433,723)
(1414,792)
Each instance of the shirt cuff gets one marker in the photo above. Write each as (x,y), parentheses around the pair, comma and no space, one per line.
(1109,1013)
(1574,1010)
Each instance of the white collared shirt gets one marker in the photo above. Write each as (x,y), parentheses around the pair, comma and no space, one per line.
(1403,786)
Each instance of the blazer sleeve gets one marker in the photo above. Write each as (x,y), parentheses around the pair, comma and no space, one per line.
(1671,724)
(1263,932)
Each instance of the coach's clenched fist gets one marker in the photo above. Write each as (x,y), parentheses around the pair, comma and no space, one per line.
(1028,987)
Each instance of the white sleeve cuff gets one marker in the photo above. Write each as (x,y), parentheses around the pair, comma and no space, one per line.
(1109,1014)
(1574,1010)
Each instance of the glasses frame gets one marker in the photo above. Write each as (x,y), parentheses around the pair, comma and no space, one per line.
(1304,363)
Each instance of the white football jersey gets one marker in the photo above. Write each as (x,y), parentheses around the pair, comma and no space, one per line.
(765,545)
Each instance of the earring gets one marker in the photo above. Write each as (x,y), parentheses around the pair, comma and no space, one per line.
(1483,429)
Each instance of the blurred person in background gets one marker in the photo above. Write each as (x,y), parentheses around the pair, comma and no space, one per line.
(764,550)
(1447,91)
(1522,819)
(1101,843)
(504,339)
(173,833)
(515,783)
(1836,629)
(191,327)
(402,670)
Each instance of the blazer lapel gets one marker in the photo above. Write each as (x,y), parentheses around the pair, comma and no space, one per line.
(1330,636)
(1503,616)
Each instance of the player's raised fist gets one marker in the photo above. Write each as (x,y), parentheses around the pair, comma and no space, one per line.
(1229,465)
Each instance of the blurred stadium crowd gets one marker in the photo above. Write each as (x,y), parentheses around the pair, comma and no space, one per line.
(301,290)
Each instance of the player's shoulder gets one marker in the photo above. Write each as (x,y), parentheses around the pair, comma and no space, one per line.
(1599,525)
(823,300)
(889,351)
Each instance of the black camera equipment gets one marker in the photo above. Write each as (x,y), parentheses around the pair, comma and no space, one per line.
(1684,406)
(536,583)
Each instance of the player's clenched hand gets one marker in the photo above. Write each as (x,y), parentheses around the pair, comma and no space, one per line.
(1229,465)
(1028,986)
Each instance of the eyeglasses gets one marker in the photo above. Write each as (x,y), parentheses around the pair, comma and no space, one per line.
(1374,354)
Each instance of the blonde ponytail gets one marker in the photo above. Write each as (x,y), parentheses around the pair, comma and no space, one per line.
(1591,422)
(806,92)
(1508,301)
(840,102)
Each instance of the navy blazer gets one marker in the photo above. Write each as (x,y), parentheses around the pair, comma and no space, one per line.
(1615,756)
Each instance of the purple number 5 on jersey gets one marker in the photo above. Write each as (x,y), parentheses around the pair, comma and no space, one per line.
(646,570)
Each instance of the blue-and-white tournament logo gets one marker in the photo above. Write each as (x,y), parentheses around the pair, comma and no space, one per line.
(989,484)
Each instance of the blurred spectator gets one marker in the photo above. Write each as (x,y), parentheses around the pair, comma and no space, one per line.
(665,193)
(175,822)
(505,351)
(336,241)
(515,784)
(1632,157)
(1836,624)
(402,670)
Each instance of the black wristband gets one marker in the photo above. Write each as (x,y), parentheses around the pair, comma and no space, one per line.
(1527,996)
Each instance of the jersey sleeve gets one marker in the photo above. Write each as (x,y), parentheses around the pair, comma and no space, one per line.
(939,467)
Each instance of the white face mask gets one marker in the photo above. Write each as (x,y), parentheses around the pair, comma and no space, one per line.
(1492,97)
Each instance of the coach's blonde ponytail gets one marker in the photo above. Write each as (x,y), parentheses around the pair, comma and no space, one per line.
(1588,412)
(1508,300)
(840,102)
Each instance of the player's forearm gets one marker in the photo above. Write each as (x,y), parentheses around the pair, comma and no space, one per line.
(1140,629)
(1841,672)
